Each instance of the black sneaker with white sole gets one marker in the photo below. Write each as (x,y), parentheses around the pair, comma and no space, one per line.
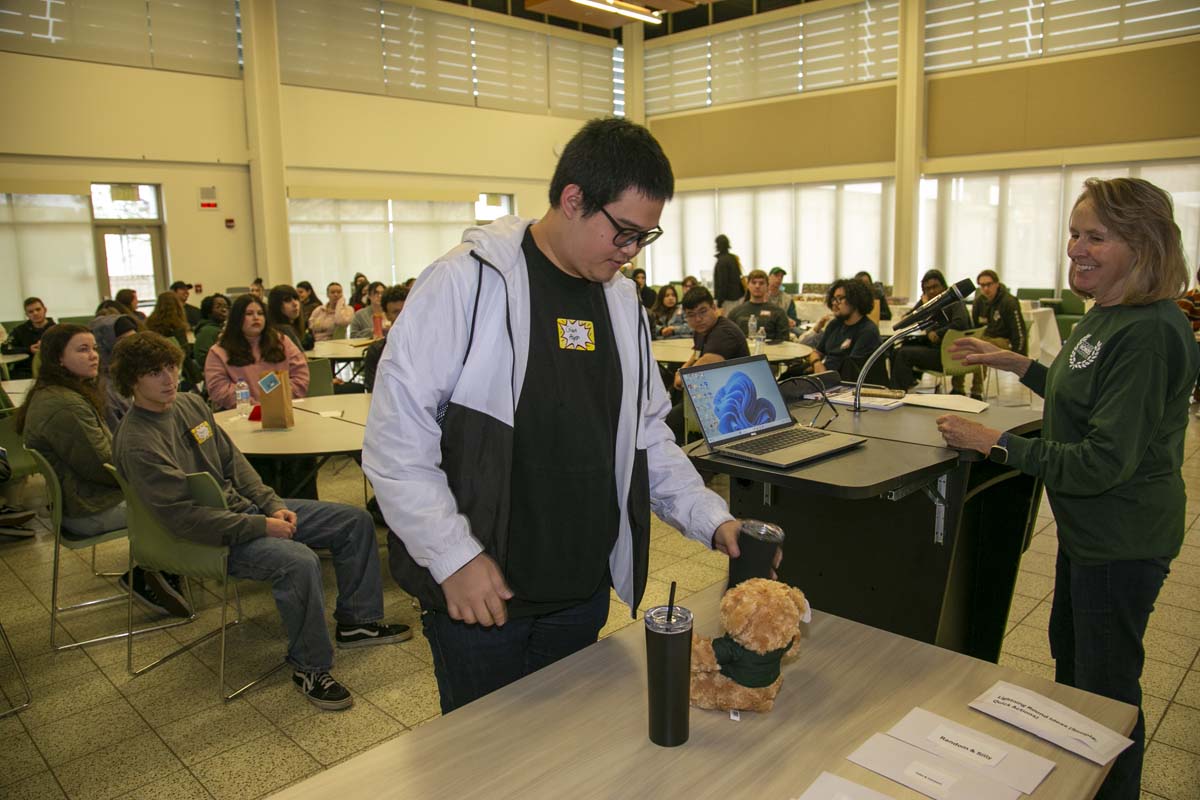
(369,633)
(150,591)
(322,690)
(171,586)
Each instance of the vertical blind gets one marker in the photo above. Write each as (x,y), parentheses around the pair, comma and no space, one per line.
(46,251)
(963,33)
(186,35)
(816,50)
(385,47)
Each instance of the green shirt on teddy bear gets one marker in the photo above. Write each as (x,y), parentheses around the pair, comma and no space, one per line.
(747,667)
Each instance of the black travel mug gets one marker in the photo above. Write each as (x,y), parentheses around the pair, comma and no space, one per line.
(757,542)
(668,672)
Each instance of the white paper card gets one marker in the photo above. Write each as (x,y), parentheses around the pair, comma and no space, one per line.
(927,773)
(1051,721)
(983,754)
(949,402)
(834,787)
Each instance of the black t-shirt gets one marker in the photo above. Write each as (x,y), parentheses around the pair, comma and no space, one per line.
(725,339)
(565,517)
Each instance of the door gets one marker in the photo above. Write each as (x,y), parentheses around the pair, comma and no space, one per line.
(133,259)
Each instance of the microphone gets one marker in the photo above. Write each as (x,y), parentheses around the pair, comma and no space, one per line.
(959,291)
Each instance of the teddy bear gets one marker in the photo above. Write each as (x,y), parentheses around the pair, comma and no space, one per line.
(740,670)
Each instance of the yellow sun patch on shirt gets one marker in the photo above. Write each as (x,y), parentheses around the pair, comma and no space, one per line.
(576,334)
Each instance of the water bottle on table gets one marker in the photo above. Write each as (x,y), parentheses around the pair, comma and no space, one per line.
(242,393)
(752,327)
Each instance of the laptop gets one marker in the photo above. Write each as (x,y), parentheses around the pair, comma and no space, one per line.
(743,414)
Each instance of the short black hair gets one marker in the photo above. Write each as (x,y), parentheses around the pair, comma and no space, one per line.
(934,275)
(30,301)
(857,295)
(608,156)
(207,303)
(695,296)
(991,273)
(141,354)
(394,294)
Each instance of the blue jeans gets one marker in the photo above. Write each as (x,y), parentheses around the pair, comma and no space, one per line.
(294,571)
(470,661)
(1097,621)
(110,519)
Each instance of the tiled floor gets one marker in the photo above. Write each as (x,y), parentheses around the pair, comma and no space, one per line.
(92,733)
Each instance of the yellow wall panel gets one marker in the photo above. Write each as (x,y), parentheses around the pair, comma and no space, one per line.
(843,127)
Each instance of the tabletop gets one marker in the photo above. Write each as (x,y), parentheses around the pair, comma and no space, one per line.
(340,349)
(353,407)
(578,728)
(313,435)
(12,358)
(678,351)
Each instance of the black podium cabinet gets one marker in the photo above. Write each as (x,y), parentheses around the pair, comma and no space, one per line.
(902,533)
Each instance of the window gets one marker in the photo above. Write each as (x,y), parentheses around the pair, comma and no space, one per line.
(124,201)
(386,240)
(491,207)
(187,35)
(46,251)
(815,232)
(806,51)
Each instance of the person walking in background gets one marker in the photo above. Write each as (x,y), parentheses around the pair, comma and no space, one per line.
(727,277)
(1112,442)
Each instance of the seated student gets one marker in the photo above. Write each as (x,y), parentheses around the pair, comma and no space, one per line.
(108,330)
(925,351)
(129,299)
(183,291)
(214,310)
(286,315)
(358,291)
(778,297)
(999,314)
(714,339)
(249,347)
(110,308)
(169,434)
(666,315)
(393,304)
(878,293)
(644,292)
(771,318)
(362,326)
(63,419)
(334,313)
(850,337)
(25,337)
(308,299)
(688,283)
(168,319)
(257,289)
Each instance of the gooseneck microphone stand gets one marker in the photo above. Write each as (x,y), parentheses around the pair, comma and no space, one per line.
(924,324)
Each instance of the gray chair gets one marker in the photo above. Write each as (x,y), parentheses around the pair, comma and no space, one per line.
(152,546)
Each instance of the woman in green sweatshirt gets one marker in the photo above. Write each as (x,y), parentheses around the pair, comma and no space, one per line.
(63,419)
(1115,417)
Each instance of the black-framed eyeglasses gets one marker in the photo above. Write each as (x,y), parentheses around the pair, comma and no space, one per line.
(627,236)
(836,299)
(983,285)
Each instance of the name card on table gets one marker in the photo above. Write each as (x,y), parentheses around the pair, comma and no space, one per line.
(1051,721)
(834,787)
(927,773)
(983,754)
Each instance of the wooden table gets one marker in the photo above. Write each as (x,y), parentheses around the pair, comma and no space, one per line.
(678,351)
(17,389)
(577,729)
(340,349)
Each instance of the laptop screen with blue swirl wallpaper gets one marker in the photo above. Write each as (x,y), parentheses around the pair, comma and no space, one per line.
(736,398)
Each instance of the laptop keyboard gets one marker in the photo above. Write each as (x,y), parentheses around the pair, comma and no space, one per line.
(777,441)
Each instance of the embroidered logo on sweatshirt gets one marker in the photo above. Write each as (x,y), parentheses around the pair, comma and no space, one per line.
(1084,354)
(576,334)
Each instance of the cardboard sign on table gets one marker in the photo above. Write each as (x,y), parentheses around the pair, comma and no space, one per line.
(275,396)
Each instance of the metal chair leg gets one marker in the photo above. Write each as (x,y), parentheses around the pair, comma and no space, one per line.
(20,676)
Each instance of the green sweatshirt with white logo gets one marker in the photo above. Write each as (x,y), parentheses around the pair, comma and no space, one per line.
(1112,434)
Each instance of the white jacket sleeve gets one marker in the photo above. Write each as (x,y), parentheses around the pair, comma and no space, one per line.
(402,447)
(677,493)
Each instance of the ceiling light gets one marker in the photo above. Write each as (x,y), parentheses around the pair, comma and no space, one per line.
(624,9)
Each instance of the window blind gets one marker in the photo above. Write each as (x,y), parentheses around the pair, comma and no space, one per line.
(676,77)
(580,80)
(962,33)
(185,35)
(426,55)
(46,250)
(333,44)
(510,68)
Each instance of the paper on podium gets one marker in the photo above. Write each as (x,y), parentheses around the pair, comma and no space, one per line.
(834,787)
(949,402)
(924,772)
(1051,721)
(982,754)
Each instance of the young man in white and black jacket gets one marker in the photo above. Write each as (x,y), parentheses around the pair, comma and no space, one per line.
(516,440)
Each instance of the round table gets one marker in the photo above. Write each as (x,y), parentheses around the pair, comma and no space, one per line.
(352,408)
(6,359)
(312,435)
(340,349)
(678,351)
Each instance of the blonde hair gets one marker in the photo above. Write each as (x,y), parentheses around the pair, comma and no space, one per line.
(1143,216)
